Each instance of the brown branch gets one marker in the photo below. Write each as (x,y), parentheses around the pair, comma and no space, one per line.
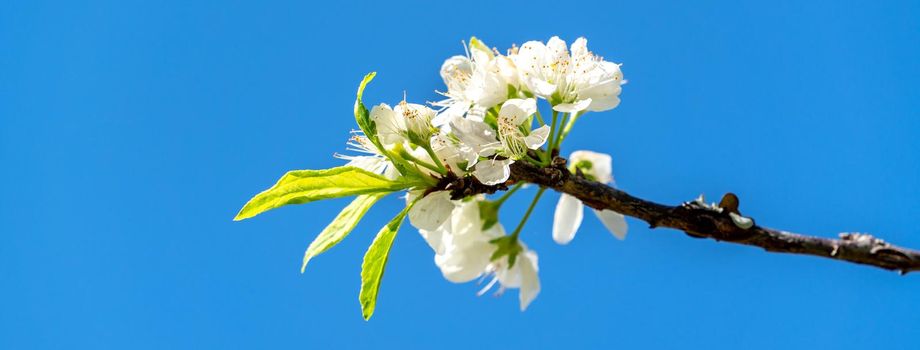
(702,221)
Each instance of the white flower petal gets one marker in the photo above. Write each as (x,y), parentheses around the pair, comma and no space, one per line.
(603,97)
(465,263)
(517,110)
(576,107)
(601,164)
(613,221)
(435,239)
(455,70)
(556,48)
(537,137)
(374,164)
(466,224)
(389,127)
(476,135)
(530,281)
(580,47)
(493,172)
(541,87)
(603,87)
(431,212)
(567,219)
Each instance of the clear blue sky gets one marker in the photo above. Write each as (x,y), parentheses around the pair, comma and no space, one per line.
(131,132)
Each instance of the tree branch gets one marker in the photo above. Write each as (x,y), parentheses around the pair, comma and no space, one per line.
(702,221)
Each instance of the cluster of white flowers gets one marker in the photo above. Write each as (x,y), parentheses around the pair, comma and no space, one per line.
(488,120)
(447,154)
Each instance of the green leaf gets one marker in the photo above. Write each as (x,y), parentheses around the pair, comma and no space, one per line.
(340,227)
(375,261)
(304,186)
(362,116)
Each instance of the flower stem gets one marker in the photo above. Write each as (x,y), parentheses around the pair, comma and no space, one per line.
(549,147)
(567,128)
(564,121)
(437,161)
(537,162)
(539,118)
(517,231)
(423,163)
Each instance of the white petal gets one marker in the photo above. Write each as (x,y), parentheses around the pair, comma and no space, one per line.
(461,264)
(373,164)
(601,164)
(432,211)
(576,107)
(517,110)
(530,281)
(604,87)
(580,47)
(567,219)
(541,87)
(456,109)
(474,134)
(388,125)
(537,137)
(455,69)
(466,224)
(556,47)
(603,97)
(493,172)
(529,59)
(507,70)
(391,172)
(613,221)
(435,239)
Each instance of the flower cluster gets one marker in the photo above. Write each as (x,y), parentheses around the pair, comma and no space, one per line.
(488,120)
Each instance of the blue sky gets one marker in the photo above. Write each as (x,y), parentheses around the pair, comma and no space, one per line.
(131,132)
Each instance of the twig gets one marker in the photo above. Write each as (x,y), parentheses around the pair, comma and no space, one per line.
(703,221)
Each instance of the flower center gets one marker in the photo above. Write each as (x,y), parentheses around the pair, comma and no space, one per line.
(512,138)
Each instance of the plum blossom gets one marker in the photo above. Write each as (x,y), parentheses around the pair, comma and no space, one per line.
(406,122)
(514,139)
(569,210)
(573,81)
(442,157)
(522,275)
(463,250)
(368,158)
(475,83)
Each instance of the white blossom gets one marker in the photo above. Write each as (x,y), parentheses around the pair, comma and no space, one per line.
(574,81)
(463,252)
(475,83)
(513,128)
(515,138)
(390,129)
(521,275)
(476,139)
(406,122)
(484,124)
(368,158)
(569,210)
(451,153)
